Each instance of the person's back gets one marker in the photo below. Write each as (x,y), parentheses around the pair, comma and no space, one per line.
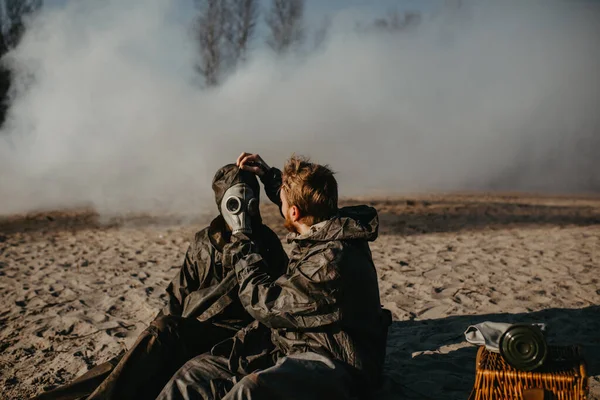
(339,251)
(363,319)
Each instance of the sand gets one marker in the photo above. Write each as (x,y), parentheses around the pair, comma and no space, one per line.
(76,290)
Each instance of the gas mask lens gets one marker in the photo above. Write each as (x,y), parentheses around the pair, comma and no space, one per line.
(233,205)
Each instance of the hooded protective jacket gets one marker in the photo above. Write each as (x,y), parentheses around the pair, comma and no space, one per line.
(205,288)
(203,309)
(328,300)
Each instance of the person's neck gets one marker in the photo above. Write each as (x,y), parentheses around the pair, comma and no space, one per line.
(303,229)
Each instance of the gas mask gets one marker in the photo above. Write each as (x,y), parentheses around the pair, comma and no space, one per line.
(238,206)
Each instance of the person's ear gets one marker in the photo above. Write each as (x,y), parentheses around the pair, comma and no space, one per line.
(295,214)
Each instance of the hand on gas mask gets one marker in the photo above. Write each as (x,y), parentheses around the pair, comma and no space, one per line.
(238,206)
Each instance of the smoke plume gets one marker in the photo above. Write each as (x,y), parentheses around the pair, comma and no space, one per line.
(107,111)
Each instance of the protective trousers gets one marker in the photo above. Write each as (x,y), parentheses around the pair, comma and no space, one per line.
(304,376)
(141,373)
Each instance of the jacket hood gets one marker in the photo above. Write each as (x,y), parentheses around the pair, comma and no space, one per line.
(355,222)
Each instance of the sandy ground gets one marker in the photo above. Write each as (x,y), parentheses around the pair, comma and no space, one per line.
(75,290)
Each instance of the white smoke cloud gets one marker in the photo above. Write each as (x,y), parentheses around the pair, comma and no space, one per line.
(501,95)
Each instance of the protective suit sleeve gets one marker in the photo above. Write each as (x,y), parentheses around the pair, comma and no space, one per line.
(191,276)
(272,182)
(304,298)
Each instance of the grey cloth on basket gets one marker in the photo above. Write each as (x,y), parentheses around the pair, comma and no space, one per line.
(488,334)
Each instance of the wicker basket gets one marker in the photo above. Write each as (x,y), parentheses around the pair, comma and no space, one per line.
(562,377)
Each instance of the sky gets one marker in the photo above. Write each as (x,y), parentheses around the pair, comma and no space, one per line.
(501,95)
(324,6)
(315,10)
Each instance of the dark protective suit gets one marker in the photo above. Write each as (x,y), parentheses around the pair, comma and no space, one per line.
(203,309)
(328,329)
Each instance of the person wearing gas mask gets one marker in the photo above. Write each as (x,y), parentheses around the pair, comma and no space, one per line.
(328,328)
(203,307)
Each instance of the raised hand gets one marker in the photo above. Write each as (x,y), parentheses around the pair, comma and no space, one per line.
(252,163)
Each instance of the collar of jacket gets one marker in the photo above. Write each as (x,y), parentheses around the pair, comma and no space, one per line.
(218,234)
(355,222)
(294,237)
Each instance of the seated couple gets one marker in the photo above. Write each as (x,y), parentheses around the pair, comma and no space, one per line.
(244,320)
